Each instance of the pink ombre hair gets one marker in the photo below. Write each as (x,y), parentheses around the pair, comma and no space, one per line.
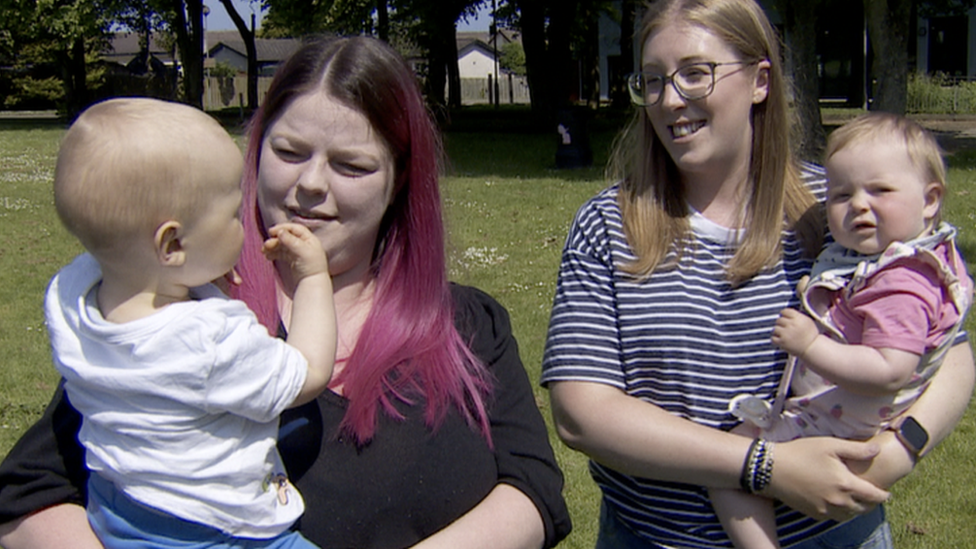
(409,347)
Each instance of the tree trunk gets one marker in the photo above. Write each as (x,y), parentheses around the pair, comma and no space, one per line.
(449,30)
(252,52)
(888,27)
(620,98)
(801,47)
(590,60)
(565,86)
(382,20)
(533,27)
(74,78)
(189,39)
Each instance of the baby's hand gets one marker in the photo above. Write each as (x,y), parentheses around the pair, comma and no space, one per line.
(801,286)
(295,245)
(794,332)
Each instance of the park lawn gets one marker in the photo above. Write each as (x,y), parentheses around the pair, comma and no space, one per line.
(507,211)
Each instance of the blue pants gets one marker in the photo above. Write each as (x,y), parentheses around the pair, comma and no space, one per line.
(868,531)
(122,523)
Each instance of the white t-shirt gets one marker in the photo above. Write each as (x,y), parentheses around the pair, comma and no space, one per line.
(181,407)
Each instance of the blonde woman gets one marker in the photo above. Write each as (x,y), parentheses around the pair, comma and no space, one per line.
(670,284)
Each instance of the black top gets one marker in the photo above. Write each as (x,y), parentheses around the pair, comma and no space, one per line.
(405,485)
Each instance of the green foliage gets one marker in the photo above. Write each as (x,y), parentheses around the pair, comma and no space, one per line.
(940,95)
(512,58)
(47,39)
(223,69)
(31,91)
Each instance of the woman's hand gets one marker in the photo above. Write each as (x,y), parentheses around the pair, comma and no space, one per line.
(814,476)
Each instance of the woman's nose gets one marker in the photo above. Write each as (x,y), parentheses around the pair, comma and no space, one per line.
(314,179)
(670,98)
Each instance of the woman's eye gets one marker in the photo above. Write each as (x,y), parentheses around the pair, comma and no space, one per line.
(353,169)
(288,155)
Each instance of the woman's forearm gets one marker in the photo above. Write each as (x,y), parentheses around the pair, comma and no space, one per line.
(64,525)
(505,519)
(640,439)
(938,410)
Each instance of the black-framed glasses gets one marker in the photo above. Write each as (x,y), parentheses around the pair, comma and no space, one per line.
(692,81)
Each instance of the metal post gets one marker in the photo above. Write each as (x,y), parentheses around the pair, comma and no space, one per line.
(494,41)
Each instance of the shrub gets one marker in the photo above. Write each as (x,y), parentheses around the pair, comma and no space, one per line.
(939,94)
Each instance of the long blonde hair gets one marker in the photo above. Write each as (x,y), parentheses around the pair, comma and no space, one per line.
(652,195)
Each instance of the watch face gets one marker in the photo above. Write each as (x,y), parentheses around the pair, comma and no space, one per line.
(914,434)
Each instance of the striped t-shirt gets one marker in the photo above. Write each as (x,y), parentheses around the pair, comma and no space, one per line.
(683,339)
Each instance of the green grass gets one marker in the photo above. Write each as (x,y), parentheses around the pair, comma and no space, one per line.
(33,246)
(508,211)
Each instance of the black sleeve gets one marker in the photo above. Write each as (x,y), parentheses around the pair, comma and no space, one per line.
(47,465)
(521,442)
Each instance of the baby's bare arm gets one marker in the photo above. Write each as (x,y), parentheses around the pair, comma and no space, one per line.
(312,329)
(857,368)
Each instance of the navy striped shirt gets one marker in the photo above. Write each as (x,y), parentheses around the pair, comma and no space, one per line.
(683,339)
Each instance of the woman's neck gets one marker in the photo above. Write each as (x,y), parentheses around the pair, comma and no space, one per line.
(720,197)
(353,297)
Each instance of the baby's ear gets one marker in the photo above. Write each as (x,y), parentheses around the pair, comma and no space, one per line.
(169,248)
(934,192)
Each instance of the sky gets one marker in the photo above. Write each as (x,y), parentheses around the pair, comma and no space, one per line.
(219,20)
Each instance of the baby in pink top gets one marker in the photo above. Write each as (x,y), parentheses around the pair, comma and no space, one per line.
(883,305)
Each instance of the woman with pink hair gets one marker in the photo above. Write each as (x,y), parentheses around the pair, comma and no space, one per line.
(429,435)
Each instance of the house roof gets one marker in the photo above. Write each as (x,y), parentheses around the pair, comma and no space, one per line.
(476,45)
(505,36)
(123,47)
(268,50)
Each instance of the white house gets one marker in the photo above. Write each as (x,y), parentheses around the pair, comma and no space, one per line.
(476,60)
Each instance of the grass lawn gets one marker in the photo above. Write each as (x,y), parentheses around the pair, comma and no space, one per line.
(508,210)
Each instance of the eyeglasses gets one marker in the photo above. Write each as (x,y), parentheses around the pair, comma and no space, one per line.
(694,81)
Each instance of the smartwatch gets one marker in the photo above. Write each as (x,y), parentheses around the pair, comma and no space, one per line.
(912,435)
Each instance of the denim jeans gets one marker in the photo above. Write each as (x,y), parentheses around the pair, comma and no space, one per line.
(869,531)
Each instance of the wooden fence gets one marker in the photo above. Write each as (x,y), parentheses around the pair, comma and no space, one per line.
(229,92)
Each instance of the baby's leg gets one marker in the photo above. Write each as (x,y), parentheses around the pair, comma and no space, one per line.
(749,520)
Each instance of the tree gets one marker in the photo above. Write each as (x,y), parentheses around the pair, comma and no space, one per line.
(184,21)
(800,18)
(619,96)
(252,53)
(546,32)
(187,23)
(64,35)
(512,58)
(888,25)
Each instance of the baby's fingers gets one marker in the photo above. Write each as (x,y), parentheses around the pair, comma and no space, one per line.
(295,230)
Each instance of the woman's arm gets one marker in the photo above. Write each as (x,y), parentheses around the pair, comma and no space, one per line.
(938,410)
(42,482)
(527,501)
(505,519)
(64,525)
(640,439)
